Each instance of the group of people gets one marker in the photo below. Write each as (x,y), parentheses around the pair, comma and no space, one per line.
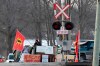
(26,50)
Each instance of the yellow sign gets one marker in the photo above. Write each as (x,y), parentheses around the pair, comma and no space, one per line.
(70,58)
(19,41)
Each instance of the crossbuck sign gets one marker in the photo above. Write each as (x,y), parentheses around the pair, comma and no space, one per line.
(62,10)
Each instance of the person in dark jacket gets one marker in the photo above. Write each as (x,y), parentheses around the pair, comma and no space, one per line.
(37,43)
(16,55)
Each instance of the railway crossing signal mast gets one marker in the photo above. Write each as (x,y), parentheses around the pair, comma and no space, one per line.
(62,26)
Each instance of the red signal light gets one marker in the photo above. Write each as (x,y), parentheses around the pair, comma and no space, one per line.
(56,25)
(69,26)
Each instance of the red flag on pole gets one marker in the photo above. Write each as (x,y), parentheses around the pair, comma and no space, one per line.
(77,45)
(18,42)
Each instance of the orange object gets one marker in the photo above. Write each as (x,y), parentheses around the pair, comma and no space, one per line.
(18,42)
(32,58)
(76,46)
(76,59)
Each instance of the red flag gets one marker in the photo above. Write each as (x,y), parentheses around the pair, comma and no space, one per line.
(77,45)
(18,42)
(77,41)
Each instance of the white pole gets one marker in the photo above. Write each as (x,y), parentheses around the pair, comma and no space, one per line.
(54,10)
(62,5)
(96,49)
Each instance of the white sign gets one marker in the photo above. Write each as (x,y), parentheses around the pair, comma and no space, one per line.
(45,58)
(62,31)
(45,49)
(62,11)
(40,49)
(48,50)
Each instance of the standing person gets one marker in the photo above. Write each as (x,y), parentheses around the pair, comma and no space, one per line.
(37,43)
(16,55)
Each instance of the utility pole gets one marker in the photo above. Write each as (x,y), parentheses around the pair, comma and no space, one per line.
(97,37)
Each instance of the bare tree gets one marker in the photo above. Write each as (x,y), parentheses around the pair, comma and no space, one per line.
(85,22)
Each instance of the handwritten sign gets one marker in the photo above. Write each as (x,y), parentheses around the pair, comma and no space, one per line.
(40,49)
(49,50)
(45,49)
(32,58)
